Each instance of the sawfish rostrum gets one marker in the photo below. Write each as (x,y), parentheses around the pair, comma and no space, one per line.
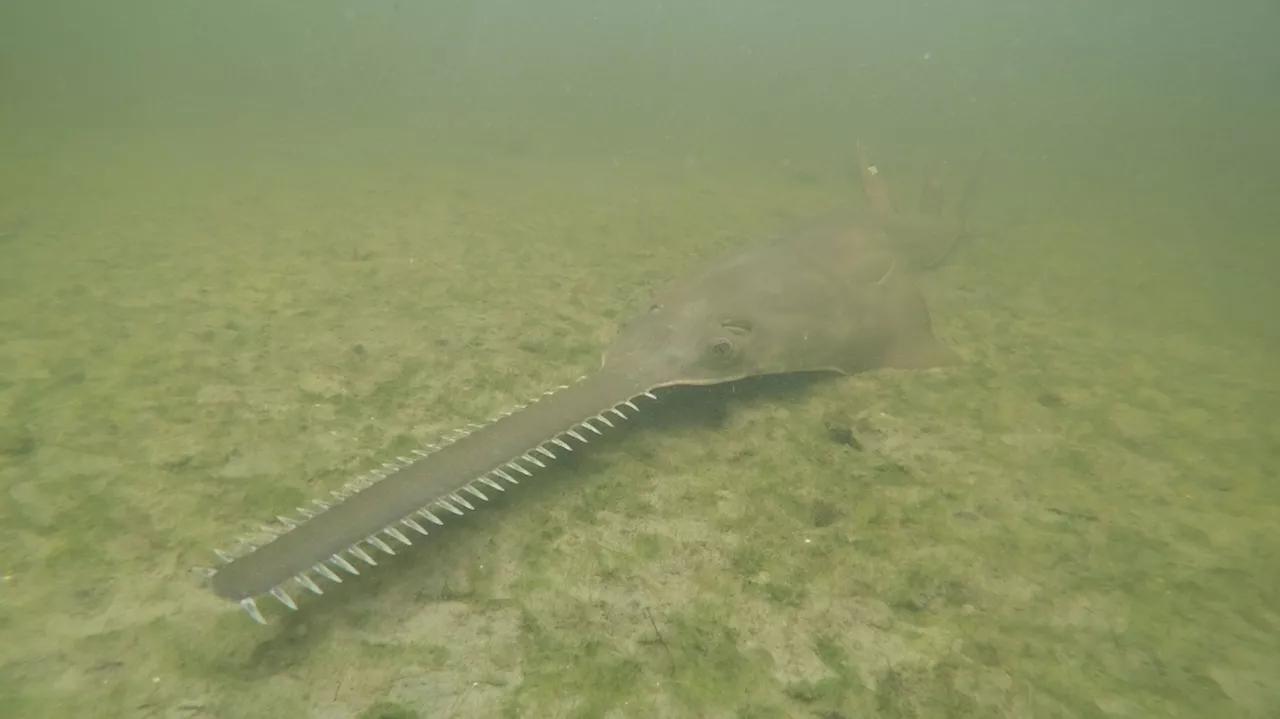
(834,296)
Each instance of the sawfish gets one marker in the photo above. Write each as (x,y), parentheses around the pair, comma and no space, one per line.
(834,295)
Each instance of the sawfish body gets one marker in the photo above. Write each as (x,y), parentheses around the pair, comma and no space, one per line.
(834,296)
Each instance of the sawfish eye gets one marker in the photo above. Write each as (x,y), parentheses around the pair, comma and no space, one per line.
(740,327)
(723,350)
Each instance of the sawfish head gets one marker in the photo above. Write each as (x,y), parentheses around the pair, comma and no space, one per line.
(834,300)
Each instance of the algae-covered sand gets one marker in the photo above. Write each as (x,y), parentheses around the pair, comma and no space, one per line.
(1079,521)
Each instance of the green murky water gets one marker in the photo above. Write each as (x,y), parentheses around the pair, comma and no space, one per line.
(250,250)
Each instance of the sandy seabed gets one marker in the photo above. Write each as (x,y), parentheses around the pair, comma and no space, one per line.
(1079,521)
